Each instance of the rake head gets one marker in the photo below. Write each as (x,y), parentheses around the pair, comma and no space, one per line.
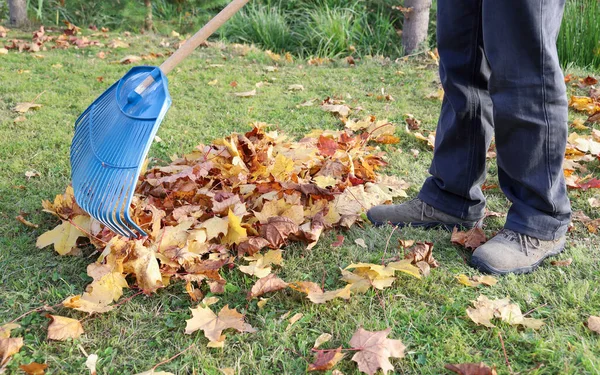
(112,138)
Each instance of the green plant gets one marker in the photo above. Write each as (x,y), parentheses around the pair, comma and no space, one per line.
(579,38)
(268,27)
(330,32)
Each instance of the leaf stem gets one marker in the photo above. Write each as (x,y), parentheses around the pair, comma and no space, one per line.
(34,310)
(173,357)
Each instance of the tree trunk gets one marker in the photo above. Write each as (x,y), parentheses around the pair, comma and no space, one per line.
(149,25)
(416,22)
(18,12)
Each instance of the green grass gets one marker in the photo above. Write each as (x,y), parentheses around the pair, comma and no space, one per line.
(579,39)
(427,315)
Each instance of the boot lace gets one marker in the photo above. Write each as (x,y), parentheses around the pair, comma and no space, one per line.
(526,243)
(424,208)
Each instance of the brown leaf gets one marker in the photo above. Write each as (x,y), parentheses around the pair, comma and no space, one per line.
(277,230)
(34,368)
(9,347)
(327,146)
(203,318)
(267,284)
(421,251)
(374,350)
(562,263)
(470,239)
(338,242)
(593,323)
(251,246)
(130,59)
(326,360)
(471,369)
(63,328)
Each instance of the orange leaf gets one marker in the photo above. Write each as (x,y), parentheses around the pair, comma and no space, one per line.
(34,368)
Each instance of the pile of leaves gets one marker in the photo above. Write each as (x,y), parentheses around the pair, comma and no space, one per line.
(234,204)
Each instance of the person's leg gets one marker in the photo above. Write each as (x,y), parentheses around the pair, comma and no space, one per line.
(530,116)
(530,112)
(452,195)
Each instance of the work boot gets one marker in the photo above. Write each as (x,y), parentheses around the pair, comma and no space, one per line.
(415,213)
(512,252)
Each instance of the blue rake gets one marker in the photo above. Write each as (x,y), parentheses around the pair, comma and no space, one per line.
(113,135)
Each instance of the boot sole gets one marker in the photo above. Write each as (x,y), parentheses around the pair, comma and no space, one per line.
(485,268)
(425,225)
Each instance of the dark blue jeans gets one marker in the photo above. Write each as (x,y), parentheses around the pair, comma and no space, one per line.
(501,76)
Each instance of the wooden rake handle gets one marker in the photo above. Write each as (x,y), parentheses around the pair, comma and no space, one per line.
(192,43)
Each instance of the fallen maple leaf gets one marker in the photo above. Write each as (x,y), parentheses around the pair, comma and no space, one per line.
(62,328)
(25,107)
(34,368)
(277,230)
(267,284)
(9,347)
(203,318)
(471,239)
(477,280)
(316,295)
(421,252)
(485,309)
(374,350)
(471,369)
(338,242)
(64,237)
(326,360)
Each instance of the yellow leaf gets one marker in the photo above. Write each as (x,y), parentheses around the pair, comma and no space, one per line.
(322,339)
(406,267)
(9,347)
(203,318)
(215,226)
(235,233)
(25,107)
(464,279)
(143,264)
(325,181)
(282,167)
(82,304)
(64,237)
(63,328)
(261,304)
(5,330)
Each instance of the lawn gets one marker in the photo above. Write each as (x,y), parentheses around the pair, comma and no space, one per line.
(428,315)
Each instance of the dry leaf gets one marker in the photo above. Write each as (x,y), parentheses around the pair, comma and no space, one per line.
(245,94)
(62,328)
(593,323)
(471,369)
(34,368)
(326,360)
(203,318)
(5,329)
(360,242)
(485,309)
(562,263)
(130,59)
(9,347)
(64,237)
(3,51)
(91,362)
(25,107)
(267,284)
(294,319)
(470,239)
(322,339)
(374,350)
